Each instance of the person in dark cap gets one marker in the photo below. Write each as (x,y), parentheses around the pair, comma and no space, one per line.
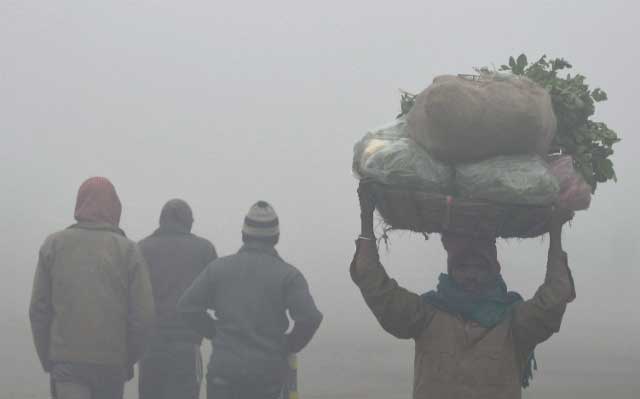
(251,293)
(91,306)
(172,365)
(473,338)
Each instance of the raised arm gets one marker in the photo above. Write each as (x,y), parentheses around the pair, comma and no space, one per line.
(538,318)
(400,312)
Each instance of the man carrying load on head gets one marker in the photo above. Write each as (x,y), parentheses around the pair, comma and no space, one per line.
(473,337)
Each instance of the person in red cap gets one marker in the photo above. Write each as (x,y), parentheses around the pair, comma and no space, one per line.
(91,306)
(473,338)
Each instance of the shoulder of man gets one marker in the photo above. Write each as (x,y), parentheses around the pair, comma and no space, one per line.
(149,244)
(228,261)
(123,241)
(72,232)
(49,244)
(53,237)
(291,271)
(202,242)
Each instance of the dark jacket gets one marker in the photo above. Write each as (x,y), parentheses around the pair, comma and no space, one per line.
(250,293)
(175,258)
(457,358)
(91,300)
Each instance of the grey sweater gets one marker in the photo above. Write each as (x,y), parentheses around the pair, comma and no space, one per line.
(250,293)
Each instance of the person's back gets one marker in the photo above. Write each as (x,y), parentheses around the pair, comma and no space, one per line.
(250,300)
(251,292)
(91,308)
(171,366)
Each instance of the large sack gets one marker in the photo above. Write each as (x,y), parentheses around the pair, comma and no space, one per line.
(575,192)
(460,119)
(388,156)
(516,179)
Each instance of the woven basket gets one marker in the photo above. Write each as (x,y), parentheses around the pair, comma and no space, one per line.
(423,212)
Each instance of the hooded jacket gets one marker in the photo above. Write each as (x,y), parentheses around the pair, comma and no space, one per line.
(175,257)
(91,301)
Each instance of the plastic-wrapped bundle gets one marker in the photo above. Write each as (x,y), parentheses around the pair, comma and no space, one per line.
(388,156)
(522,180)
(575,192)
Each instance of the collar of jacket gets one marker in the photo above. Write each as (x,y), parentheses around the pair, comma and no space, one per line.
(97,226)
(257,246)
(171,228)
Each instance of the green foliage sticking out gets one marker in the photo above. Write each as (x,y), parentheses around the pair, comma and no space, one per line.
(589,142)
(406,103)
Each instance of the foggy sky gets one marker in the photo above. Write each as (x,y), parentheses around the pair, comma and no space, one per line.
(225,103)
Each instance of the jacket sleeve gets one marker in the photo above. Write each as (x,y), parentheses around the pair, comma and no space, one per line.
(211,255)
(400,312)
(303,312)
(41,308)
(195,302)
(538,318)
(141,308)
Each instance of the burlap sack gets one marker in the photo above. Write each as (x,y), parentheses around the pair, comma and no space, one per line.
(462,119)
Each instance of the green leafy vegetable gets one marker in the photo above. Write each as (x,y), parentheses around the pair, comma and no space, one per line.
(589,142)
(406,103)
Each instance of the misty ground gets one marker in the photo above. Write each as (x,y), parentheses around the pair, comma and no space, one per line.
(375,367)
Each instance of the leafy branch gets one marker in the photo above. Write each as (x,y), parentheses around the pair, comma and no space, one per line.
(406,103)
(590,143)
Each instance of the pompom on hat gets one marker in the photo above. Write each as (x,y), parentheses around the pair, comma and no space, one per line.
(261,222)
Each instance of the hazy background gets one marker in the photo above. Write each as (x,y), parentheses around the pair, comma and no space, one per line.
(225,103)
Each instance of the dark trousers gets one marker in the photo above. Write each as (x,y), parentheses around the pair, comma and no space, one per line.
(219,388)
(170,370)
(86,381)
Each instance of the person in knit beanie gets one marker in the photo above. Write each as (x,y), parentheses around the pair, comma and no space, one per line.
(251,293)
(261,224)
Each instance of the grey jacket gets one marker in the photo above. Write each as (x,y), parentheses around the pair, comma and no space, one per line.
(250,293)
(91,300)
(175,258)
